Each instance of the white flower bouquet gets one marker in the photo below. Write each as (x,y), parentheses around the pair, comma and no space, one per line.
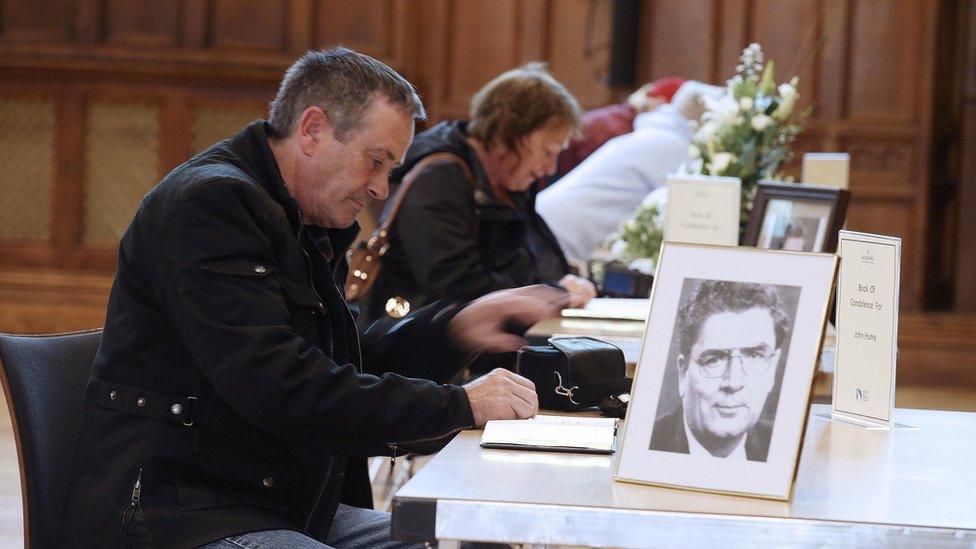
(746,132)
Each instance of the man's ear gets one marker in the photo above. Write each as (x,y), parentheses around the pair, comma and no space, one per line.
(313,129)
(682,364)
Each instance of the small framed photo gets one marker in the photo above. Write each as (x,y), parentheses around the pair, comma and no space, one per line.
(722,389)
(803,218)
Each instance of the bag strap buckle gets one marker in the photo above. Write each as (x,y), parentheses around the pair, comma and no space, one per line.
(563,391)
(378,243)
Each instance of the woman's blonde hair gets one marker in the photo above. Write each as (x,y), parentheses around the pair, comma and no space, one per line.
(519,102)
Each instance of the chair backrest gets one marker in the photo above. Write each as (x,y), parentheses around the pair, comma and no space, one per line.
(44,379)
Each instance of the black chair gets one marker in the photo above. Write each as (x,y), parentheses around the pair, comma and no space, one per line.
(44,379)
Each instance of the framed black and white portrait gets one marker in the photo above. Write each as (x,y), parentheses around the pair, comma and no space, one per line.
(722,389)
(803,218)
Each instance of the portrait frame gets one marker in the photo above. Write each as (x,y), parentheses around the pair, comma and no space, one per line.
(731,407)
(827,207)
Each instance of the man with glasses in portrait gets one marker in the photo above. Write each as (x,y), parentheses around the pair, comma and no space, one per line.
(730,336)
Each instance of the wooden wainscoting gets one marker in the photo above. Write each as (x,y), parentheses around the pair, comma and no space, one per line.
(41,301)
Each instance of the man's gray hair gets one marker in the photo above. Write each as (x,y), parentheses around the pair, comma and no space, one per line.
(343,83)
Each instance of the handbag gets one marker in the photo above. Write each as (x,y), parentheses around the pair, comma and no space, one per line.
(574,373)
(365,258)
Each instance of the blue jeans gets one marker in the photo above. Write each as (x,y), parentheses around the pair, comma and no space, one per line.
(352,528)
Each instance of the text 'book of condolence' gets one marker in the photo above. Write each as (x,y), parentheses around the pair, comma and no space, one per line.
(586,435)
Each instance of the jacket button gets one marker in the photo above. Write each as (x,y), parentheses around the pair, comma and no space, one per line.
(141,402)
(112,395)
(268,482)
(260,269)
(177,409)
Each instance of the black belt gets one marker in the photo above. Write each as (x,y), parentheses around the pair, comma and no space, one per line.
(188,411)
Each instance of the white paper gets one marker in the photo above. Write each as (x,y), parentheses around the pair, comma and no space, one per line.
(552,431)
(867,326)
(830,169)
(606,307)
(703,210)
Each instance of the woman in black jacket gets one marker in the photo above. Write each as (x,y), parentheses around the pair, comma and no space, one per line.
(463,233)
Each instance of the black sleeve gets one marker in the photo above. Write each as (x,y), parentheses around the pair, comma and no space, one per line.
(438,232)
(416,345)
(236,329)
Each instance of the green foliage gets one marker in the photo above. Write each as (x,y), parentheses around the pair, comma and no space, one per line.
(642,235)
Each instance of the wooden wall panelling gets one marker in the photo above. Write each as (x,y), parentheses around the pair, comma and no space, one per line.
(123,157)
(578,49)
(885,61)
(430,57)
(965,292)
(212,120)
(175,120)
(680,38)
(536,22)
(40,252)
(143,23)
(47,301)
(249,25)
(925,66)
(482,43)
(789,46)
(299,26)
(27,177)
(732,25)
(833,66)
(945,160)
(373,27)
(67,214)
(89,27)
(195,22)
(29,21)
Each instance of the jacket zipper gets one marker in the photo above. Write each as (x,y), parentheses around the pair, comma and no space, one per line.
(130,509)
(394,445)
(311,280)
(318,498)
(355,331)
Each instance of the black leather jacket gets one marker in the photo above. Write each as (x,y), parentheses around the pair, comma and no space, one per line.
(229,379)
(453,238)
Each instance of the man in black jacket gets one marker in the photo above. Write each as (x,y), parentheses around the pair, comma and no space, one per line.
(227,403)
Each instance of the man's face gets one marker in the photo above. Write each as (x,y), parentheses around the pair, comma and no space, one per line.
(536,156)
(337,179)
(725,381)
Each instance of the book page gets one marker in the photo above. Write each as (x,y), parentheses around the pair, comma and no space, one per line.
(616,308)
(552,431)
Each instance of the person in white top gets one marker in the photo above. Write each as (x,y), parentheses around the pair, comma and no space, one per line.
(590,202)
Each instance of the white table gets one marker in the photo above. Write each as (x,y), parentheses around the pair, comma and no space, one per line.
(855,487)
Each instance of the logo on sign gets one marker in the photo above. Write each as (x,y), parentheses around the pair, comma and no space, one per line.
(867,258)
(862,395)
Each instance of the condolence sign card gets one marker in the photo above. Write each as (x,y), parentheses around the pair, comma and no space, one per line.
(829,169)
(867,327)
(702,210)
